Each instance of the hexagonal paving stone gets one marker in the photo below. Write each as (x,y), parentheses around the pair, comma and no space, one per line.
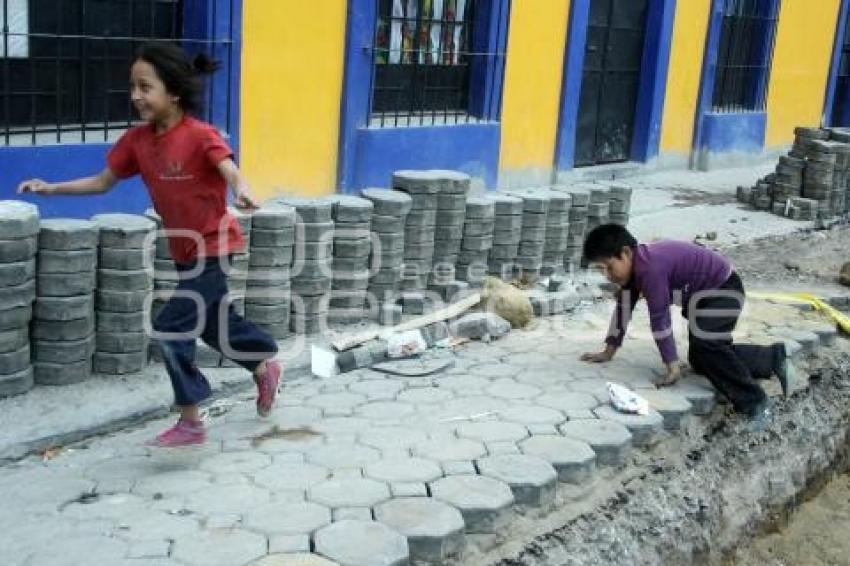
(362,543)
(377,389)
(296,417)
(531,360)
(336,400)
(392,437)
(236,463)
(434,530)
(225,499)
(527,414)
(485,503)
(674,407)
(574,460)
(220,547)
(385,410)
(644,428)
(466,408)
(532,480)
(297,559)
(492,431)
(349,493)
(464,383)
(131,468)
(596,387)
(612,442)
(510,389)
(448,450)
(493,371)
(408,470)
(702,399)
(425,395)
(287,518)
(291,477)
(149,524)
(172,484)
(342,455)
(567,400)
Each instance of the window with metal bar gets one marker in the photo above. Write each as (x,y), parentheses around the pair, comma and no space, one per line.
(745,55)
(425,56)
(64,71)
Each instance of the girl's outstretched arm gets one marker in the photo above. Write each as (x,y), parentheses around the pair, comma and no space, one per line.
(241,193)
(93,185)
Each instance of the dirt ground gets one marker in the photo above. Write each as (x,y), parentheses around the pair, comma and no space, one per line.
(695,504)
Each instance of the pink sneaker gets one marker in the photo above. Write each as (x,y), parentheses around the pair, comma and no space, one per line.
(267,384)
(183,433)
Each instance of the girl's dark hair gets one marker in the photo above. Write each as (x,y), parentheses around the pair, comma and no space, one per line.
(181,74)
(607,241)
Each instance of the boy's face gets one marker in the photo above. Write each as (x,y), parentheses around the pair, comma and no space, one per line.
(616,269)
(151,99)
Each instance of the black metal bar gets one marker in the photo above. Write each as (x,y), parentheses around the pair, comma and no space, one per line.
(7,76)
(108,83)
(33,98)
(58,69)
(83,74)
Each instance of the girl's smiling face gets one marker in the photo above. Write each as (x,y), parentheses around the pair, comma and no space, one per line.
(151,99)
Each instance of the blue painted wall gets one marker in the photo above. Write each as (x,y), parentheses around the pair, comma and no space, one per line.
(730,132)
(833,92)
(367,156)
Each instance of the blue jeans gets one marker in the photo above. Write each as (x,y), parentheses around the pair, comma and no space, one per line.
(180,315)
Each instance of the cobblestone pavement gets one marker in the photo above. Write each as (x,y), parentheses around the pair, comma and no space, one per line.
(367,468)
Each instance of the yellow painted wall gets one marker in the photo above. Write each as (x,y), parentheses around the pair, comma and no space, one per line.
(292,74)
(684,75)
(801,64)
(532,91)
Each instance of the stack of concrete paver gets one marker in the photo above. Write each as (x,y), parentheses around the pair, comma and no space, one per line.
(557,232)
(507,234)
(819,176)
(311,268)
(577,229)
(477,241)
(420,226)
(165,273)
(352,245)
(448,236)
(620,205)
(389,217)
(267,297)
(599,208)
(535,211)
(842,135)
(124,280)
(239,264)
(63,324)
(19,225)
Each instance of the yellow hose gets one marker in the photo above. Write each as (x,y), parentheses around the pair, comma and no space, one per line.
(841,320)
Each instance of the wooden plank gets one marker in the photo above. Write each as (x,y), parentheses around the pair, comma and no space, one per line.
(450,311)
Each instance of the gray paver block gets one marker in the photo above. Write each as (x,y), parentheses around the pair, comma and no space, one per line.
(18,250)
(18,219)
(502,447)
(289,544)
(120,321)
(15,339)
(567,400)
(124,259)
(532,479)
(458,468)
(63,331)
(531,414)
(425,395)
(336,400)
(485,503)
(219,548)
(335,456)
(149,549)
(407,470)
(387,438)
(117,280)
(448,450)
(349,493)
(508,389)
(70,262)
(295,559)
(287,518)
(493,431)
(574,460)
(118,364)
(291,477)
(274,216)
(223,499)
(674,407)
(385,410)
(807,339)
(434,530)
(17,273)
(644,428)
(702,399)
(352,514)
(62,352)
(60,285)
(611,441)
(362,543)
(377,389)
(15,361)
(67,234)
(409,490)
(61,373)
(236,462)
(169,484)
(123,231)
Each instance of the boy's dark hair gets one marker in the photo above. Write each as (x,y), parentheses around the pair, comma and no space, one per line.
(180,73)
(607,241)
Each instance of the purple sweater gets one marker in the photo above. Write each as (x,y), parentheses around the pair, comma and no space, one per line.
(662,271)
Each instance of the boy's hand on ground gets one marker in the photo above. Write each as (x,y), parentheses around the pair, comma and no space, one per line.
(36,186)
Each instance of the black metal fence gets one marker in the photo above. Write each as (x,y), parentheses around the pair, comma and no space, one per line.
(745,55)
(64,72)
(424,58)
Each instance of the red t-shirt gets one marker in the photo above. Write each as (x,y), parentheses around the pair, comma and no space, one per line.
(180,169)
